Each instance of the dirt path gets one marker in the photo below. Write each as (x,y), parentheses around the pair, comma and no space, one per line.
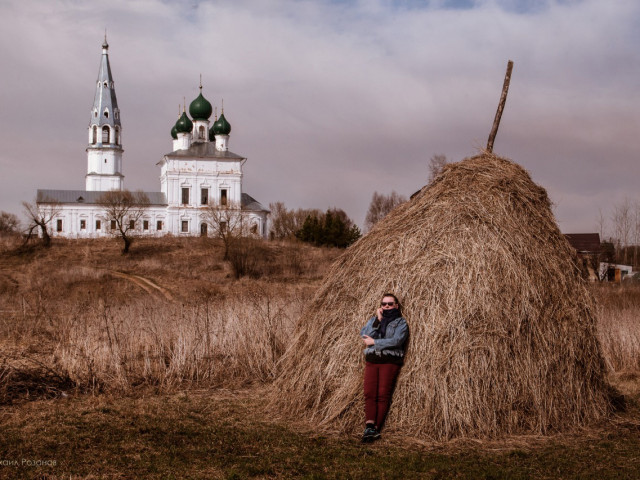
(144,283)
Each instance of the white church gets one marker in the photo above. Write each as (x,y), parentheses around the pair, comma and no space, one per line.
(199,171)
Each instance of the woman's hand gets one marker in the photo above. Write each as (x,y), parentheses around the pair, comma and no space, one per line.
(368,341)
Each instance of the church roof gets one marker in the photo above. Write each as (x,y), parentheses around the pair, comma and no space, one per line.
(204,150)
(184,124)
(105,97)
(200,108)
(251,204)
(221,126)
(88,197)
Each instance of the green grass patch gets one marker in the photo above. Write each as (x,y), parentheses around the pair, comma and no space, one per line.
(228,435)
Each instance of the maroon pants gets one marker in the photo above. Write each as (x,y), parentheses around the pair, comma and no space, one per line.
(379,380)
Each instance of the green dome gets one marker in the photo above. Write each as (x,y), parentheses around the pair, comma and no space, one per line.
(184,125)
(212,135)
(221,126)
(174,133)
(200,108)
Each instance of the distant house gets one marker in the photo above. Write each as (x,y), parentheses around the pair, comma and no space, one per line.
(614,272)
(587,246)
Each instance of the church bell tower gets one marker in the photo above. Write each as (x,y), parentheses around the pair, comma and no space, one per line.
(104,152)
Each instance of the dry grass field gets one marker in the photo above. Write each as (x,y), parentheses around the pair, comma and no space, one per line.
(154,365)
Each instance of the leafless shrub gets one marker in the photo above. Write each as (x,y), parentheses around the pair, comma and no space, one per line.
(9,224)
(249,258)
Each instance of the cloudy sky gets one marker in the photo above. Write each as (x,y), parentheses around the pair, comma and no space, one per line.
(332,100)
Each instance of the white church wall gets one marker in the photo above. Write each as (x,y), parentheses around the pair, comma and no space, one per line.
(97,224)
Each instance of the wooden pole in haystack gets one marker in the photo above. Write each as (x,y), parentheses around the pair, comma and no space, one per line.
(503,100)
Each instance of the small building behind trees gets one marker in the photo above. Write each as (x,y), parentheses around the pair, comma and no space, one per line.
(588,248)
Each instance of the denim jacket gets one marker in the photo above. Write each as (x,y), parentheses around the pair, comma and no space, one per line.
(393,342)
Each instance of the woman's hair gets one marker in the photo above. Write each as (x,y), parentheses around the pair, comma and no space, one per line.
(396,299)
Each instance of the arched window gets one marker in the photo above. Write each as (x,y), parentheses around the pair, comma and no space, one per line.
(105,134)
(203,229)
(117,135)
(95,135)
(106,113)
(105,84)
(201,132)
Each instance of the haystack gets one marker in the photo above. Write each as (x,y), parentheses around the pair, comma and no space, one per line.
(503,338)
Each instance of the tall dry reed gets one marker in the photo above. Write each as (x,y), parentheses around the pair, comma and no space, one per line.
(231,342)
(619,326)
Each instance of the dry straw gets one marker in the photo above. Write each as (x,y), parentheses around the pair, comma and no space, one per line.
(503,335)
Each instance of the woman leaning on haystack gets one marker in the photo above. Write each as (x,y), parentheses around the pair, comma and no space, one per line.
(385,336)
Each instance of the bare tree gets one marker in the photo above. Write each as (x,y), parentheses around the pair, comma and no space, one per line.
(123,209)
(436,164)
(636,231)
(622,225)
(39,215)
(286,223)
(281,221)
(380,206)
(601,223)
(226,223)
(9,223)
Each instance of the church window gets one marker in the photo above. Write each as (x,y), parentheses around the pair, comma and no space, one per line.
(185,195)
(117,135)
(113,224)
(204,196)
(132,224)
(59,225)
(105,134)
(83,224)
(98,224)
(145,225)
(106,113)
(95,134)
(185,226)
(223,227)
(95,113)
(159,225)
(201,132)
(105,160)
(203,230)
(223,196)
(254,229)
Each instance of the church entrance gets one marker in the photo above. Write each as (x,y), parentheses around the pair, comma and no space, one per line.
(203,230)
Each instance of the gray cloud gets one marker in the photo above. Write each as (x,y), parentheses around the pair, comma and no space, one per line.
(331,101)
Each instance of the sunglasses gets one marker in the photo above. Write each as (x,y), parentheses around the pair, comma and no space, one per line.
(387,304)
